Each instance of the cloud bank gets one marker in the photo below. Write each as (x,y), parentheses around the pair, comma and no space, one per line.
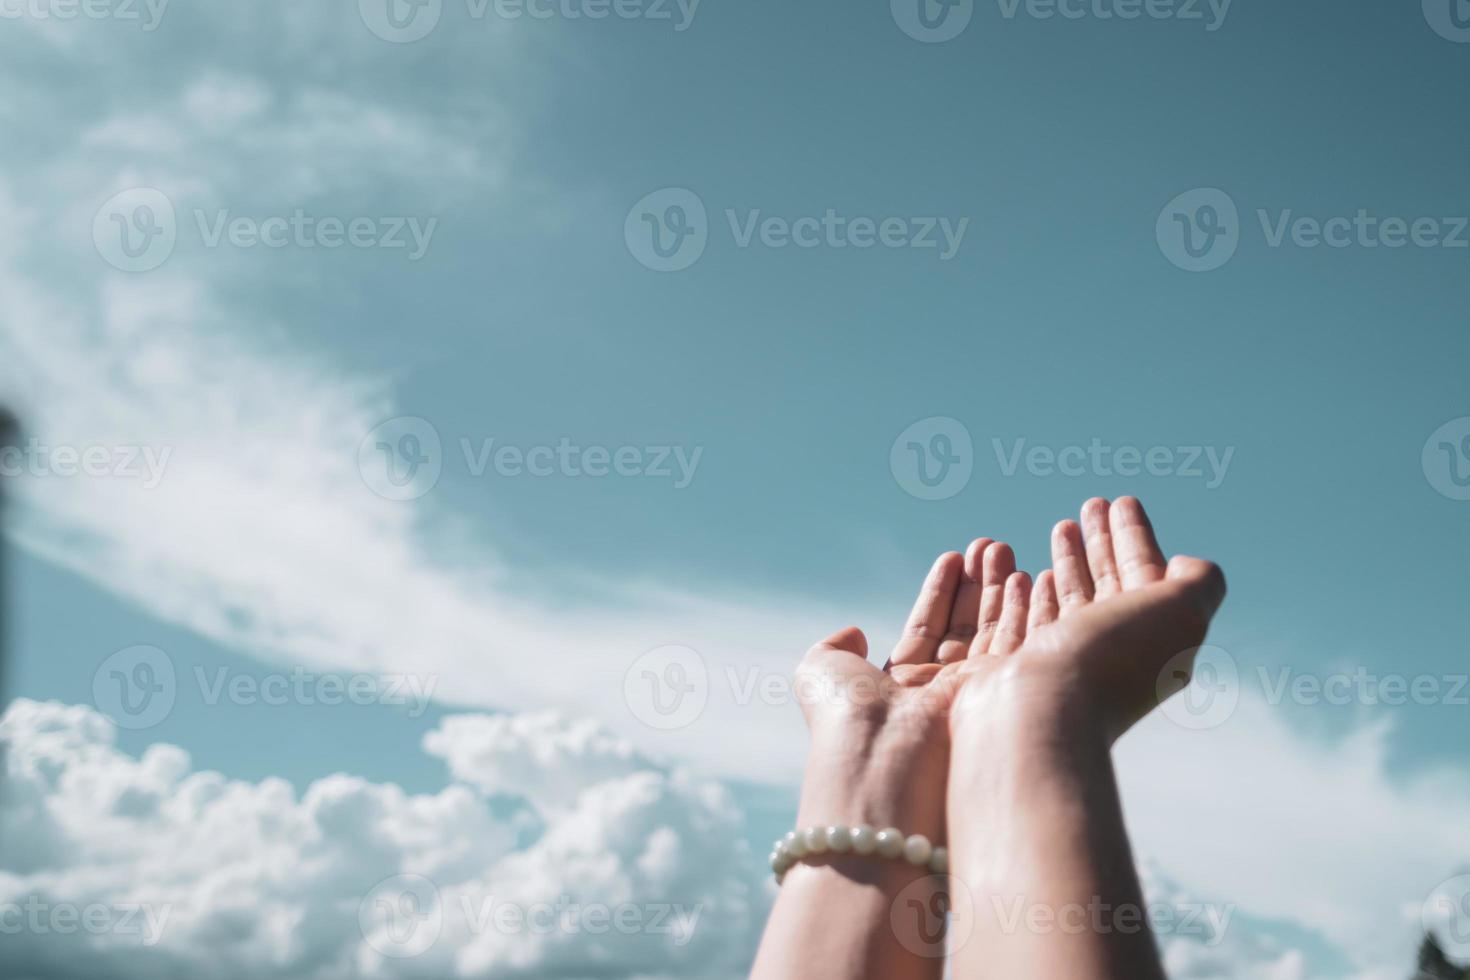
(144,868)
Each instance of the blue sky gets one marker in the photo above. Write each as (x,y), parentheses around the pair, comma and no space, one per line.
(1058,320)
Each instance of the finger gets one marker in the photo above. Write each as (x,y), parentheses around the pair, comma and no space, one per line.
(1000,562)
(1069,563)
(929,620)
(1140,560)
(1043,610)
(1099,539)
(1010,633)
(1203,579)
(848,640)
(966,611)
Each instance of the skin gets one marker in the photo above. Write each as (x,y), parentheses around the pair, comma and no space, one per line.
(995,716)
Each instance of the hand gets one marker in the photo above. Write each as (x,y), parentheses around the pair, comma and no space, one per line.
(1033,802)
(880,756)
(1101,627)
(880,737)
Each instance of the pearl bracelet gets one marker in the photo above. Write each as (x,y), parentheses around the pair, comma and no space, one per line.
(861,839)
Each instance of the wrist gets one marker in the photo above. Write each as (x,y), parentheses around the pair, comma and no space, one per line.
(882,778)
(1025,741)
(1027,710)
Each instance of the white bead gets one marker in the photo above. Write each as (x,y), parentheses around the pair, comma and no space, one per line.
(816,839)
(864,839)
(939,861)
(795,845)
(890,842)
(777,859)
(839,839)
(917,849)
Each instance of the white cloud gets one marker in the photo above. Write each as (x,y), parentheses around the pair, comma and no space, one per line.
(262,533)
(1317,830)
(237,879)
(536,754)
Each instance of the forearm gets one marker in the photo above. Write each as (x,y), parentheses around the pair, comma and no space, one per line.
(1038,841)
(850,916)
(835,919)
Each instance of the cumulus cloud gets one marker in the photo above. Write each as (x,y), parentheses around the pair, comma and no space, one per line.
(1201,938)
(535,754)
(187,873)
(1313,829)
